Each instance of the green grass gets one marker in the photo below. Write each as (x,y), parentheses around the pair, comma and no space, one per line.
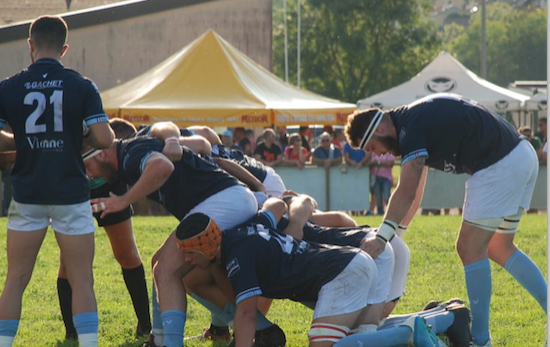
(435,273)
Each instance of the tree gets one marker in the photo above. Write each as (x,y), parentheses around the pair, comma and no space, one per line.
(354,48)
(516,44)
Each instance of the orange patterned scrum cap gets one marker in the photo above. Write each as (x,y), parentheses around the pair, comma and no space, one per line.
(199,233)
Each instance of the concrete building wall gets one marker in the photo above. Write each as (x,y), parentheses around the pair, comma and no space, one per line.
(113,45)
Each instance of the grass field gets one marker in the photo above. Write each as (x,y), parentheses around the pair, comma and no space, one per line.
(435,273)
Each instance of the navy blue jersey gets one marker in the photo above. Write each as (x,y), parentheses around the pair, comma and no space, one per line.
(255,167)
(45,106)
(194,179)
(348,236)
(456,134)
(263,261)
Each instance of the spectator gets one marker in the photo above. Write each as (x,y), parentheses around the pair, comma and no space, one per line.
(267,151)
(227,140)
(338,139)
(252,139)
(534,140)
(381,172)
(543,159)
(305,133)
(239,135)
(326,154)
(282,137)
(542,134)
(295,154)
(355,157)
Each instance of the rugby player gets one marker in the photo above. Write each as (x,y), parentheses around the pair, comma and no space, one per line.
(50,109)
(451,133)
(260,260)
(183,187)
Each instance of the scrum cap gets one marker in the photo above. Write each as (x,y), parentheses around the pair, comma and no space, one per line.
(199,233)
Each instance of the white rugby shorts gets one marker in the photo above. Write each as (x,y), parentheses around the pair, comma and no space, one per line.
(348,292)
(385,263)
(230,207)
(502,188)
(74,219)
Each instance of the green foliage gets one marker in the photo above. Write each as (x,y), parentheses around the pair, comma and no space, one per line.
(351,49)
(516,44)
(435,273)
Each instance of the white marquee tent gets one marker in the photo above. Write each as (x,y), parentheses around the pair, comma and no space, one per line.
(445,74)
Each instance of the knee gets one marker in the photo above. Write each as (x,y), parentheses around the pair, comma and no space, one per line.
(128,258)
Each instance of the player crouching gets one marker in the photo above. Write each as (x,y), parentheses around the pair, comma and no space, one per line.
(261,261)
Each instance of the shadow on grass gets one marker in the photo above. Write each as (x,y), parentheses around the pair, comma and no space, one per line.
(73,343)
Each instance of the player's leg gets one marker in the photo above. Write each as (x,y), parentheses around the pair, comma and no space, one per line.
(22,249)
(127,254)
(402,257)
(504,252)
(493,193)
(27,225)
(74,232)
(221,207)
(170,292)
(341,301)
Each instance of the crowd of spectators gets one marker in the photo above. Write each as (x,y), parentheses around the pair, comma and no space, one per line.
(278,147)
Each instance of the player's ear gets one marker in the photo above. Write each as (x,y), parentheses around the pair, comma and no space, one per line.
(64,50)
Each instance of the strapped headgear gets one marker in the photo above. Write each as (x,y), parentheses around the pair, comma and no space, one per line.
(371,128)
(199,233)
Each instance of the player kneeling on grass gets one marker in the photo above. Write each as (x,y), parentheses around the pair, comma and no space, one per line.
(261,261)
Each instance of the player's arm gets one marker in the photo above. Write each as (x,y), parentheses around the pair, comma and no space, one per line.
(197,144)
(7,142)
(245,322)
(241,174)
(417,199)
(405,193)
(101,135)
(399,205)
(156,172)
(300,209)
(170,134)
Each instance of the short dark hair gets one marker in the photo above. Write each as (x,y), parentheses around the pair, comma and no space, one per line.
(122,128)
(543,119)
(357,124)
(49,32)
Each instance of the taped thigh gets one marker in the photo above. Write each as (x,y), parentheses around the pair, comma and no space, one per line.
(510,224)
(321,332)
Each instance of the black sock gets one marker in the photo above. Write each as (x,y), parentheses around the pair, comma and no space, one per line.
(137,287)
(65,295)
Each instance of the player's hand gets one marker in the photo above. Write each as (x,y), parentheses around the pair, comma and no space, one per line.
(373,246)
(113,203)
(173,151)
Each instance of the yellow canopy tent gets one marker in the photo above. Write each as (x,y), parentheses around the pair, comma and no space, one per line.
(211,83)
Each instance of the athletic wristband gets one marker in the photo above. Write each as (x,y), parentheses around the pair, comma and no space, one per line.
(386,230)
(401,230)
(171,139)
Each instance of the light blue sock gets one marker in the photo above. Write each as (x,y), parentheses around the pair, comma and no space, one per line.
(479,286)
(173,322)
(86,325)
(227,315)
(440,322)
(157,322)
(391,337)
(8,329)
(528,275)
